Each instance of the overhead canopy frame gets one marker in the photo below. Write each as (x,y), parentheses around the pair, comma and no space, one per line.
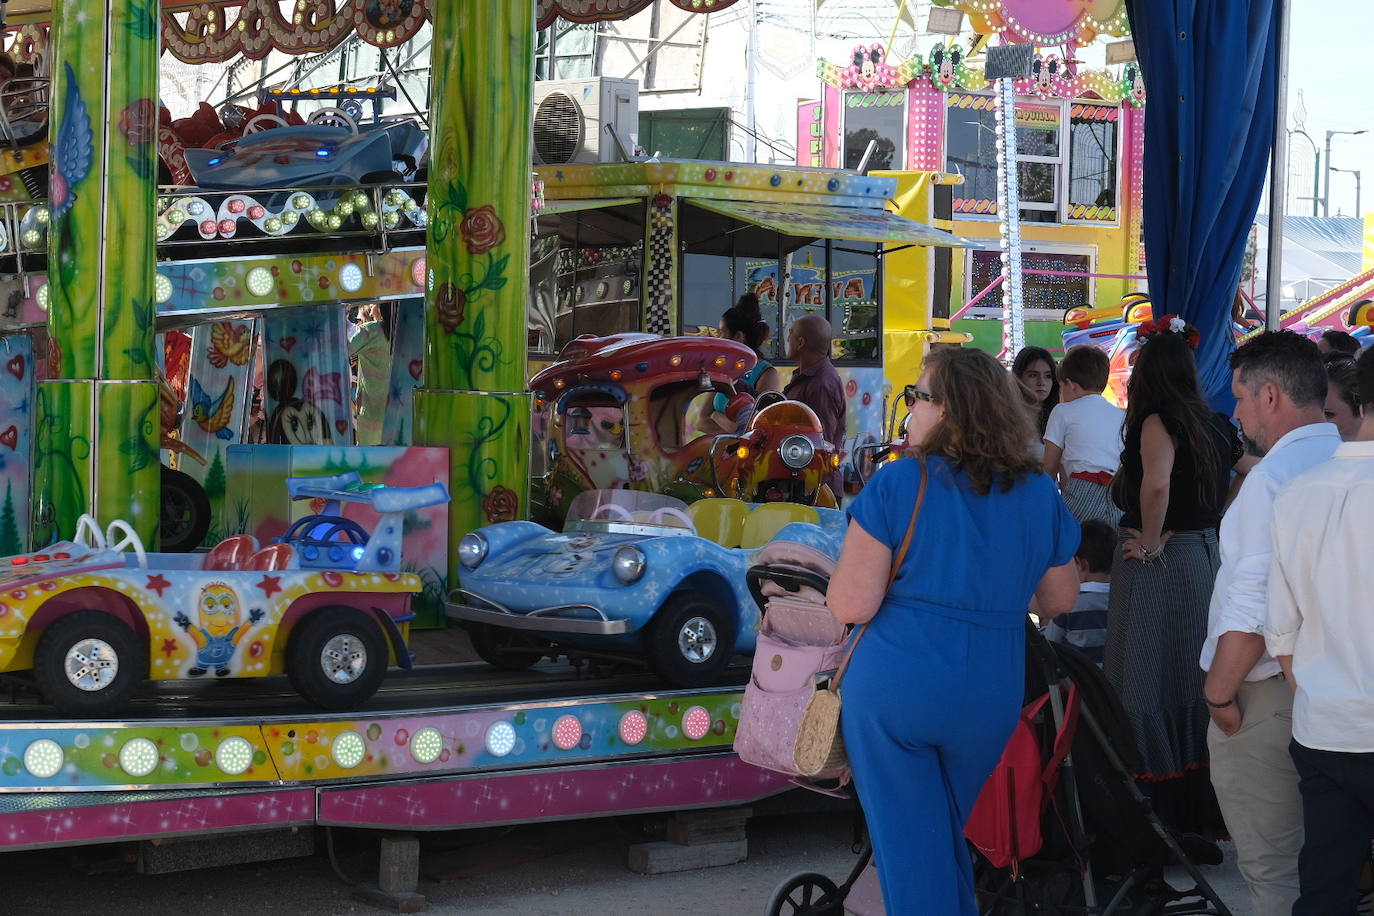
(759,225)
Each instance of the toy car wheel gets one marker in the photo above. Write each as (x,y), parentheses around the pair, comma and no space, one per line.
(504,649)
(88,664)
(185,512)
(336,658)
(691,639)
(806,894)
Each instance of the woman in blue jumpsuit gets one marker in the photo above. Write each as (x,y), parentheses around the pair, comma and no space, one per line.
(936,683)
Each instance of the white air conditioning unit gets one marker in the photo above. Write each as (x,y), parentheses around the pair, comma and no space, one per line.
(573,120)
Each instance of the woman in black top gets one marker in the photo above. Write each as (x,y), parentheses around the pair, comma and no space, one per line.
(1171,488)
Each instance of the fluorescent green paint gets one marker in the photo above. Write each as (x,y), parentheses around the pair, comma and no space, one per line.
(101,248)
(478,259)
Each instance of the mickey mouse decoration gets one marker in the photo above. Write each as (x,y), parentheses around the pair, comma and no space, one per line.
(944,66)
(1134,83)
(868,70)
(1044,71)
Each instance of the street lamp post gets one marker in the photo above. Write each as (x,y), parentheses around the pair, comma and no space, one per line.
(1359,214)
(1326,183)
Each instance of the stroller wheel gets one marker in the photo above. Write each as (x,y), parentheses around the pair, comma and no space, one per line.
(806,894)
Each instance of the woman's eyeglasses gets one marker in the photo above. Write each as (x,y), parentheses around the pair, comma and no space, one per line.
(912,394)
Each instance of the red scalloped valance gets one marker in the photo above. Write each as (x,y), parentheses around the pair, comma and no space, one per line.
(208,31)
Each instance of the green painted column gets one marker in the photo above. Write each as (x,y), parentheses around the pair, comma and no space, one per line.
(473,401)
(96,433)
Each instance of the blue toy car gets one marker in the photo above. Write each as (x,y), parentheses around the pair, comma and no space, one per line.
(632,573)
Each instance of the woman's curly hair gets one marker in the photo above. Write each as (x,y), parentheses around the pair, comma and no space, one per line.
(985,431)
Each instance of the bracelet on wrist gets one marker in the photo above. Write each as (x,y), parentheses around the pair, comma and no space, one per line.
(1229,703)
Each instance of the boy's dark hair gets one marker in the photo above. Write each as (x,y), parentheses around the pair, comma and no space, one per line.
(1342,374)
(1341,341)
(1098,545)
(1364,378)
(1087,367)
(1287,360)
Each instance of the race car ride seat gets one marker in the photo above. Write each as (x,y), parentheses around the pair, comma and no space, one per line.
(231,553)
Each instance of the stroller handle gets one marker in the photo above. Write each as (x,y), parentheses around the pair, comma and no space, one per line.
(792,578)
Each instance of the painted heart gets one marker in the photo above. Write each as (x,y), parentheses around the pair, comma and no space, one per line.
(10,437)
(341,426)
(16,366)
(287,343)
(416,367)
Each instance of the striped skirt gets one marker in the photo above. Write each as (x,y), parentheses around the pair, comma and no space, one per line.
(1156,624)
(1087,500)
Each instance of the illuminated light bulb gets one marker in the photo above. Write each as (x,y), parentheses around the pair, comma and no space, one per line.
(500,739)
(348,750)
(426,745)
(138,757)
(234,755)
(43,758)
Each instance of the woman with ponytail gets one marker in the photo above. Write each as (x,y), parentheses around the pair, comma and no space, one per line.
(744,323)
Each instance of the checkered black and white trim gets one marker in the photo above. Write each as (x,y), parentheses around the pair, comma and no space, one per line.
(662,267)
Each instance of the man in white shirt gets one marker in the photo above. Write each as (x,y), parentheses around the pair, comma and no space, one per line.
(1321,587)
(1279,383)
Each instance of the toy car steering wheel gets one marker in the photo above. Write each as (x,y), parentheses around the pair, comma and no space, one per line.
(613,513)
(88,533)
(128,538)
(668,512)
(334,117)
(263,122)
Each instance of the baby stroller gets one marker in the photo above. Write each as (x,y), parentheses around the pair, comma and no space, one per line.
(1104,849)
(789,581)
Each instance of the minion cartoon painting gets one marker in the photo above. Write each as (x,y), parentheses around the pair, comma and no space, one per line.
(218,630)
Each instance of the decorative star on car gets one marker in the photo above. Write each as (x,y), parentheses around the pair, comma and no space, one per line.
(169,647)
(270,585)
(158,583)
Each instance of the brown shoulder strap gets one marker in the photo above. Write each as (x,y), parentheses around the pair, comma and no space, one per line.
(897,559)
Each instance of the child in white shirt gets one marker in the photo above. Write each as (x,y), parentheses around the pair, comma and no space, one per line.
(1083,436)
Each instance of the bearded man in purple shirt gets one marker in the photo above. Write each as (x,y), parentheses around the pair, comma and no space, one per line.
(816,383)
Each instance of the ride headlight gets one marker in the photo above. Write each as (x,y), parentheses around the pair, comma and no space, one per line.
(472,549)
(796,452)
(628,564)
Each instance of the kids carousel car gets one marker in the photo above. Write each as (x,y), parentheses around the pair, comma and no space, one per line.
(633,575)
(327,605)
(781,457)
(622,411)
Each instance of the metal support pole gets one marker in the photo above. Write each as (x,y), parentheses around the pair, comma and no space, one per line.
(96,419)
(751,141)
(1278,177)
(477,257)
(1009,218)
(1326,173)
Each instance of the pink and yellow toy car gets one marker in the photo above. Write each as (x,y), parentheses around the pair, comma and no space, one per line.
(327,605)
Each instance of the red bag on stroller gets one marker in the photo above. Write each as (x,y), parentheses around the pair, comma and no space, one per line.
(1005,822)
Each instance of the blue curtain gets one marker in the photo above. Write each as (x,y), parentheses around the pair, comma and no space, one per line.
(1210,74)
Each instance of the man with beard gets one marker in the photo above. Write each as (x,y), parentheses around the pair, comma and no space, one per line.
(1279,383)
